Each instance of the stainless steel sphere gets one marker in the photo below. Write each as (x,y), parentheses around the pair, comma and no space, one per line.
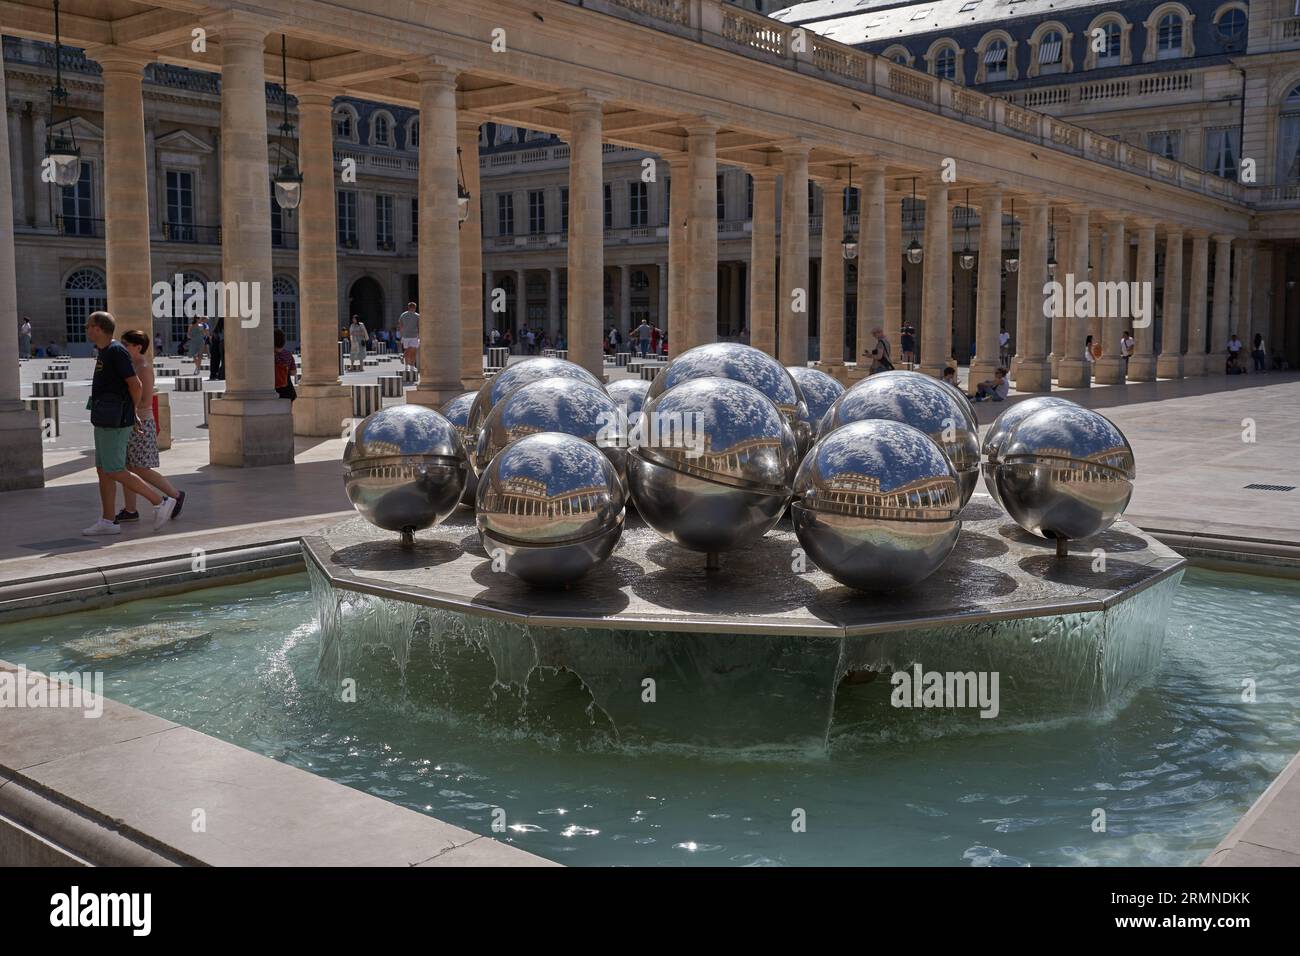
(742,363)
(1003,426)
(819,392)
(630,393)
(456,411)
(404,468)
(1065,472)
(521,373)
(727,481)
(567,405)
(922,402)
(550,508)
(877,505)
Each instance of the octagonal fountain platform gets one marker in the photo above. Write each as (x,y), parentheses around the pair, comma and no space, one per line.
(756,652)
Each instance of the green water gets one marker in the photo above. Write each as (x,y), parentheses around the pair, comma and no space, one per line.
(1172,766)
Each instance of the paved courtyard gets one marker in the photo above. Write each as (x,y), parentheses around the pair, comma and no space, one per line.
(1195,464)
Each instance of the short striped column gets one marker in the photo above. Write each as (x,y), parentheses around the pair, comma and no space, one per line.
(649,371)
(410,376)
(342,355)
(55,374)
(562,354)
(498,357)
(188,383)
(47,409)
(208,399)
(390,386)
(50,389)
(365,400)
(622,358)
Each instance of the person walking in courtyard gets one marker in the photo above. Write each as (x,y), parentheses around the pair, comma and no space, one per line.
(142,448)
(1126,345)
(358,336)
(284,368)
(25,338)
(197,340)
(1259,355)
(642,335)
(907,342)
(408,327)
(1004,347)
(115,395)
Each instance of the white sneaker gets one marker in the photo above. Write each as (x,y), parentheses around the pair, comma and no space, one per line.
(102,526)
(163,512)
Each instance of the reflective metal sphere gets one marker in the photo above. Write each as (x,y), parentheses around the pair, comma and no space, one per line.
(1003,426)
(456,411)
(920,401)
(741,363)
(1065,472)
(550,508)
(521,373)
(630,393)
(566,405)
(819,392)
(877,505)
(724,479)
(404,468)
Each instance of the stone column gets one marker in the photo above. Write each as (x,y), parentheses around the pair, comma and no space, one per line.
(702,236)
(874,261)
(1059,229)
(521,302)
(625,299)
(553,304)
(1095,272)
(251,425)
(1170,363)
(441,341)
(1033,368)
(1142,366)
(735,300)
(936,287)
(988,294)
(1244,289)
(21,453)
(1197,300)
(893,270)
(832,276)
(323,402)
(1110,367)
(1217,356)
(762,263)
(661,296)
(794,292)
(679,204)
(471,255)
(1073,370)
(586,236)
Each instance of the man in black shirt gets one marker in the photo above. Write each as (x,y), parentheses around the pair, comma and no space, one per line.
(114,396)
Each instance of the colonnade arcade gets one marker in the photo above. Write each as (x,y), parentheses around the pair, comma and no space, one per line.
(695,106)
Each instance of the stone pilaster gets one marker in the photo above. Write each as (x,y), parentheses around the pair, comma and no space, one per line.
(1217,356)
(251,425)
(1239,322)
(586,236)
(762,263)
(873,260)
(553,303)
(471,254)
(794,291)
(1197,301)
(1034,369)
(893,272)
(1142,366)
(1110,367)
(936,289)
(988,294)
(323,401)
(678,213)
(702,236)
(832,276)
(1170,362)
(1073,370)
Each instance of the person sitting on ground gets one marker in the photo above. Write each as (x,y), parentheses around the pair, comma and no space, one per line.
(995,388)
(1234,366)
(950,375)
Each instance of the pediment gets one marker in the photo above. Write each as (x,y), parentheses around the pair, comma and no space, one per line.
(184,141)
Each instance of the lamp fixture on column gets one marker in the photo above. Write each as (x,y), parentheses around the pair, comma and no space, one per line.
(967,258)
(1012,262)
(61,152)
(1051,244)
(462,194)
(288,181)
(850,244)
(914,250)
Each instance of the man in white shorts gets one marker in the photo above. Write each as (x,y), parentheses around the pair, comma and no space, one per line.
(408,326)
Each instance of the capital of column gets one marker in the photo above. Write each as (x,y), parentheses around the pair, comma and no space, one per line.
(1222,239)
(314,95)
(1174,232)
(584,102)
(238,28)
(764,173)
(436,74)
(795,148)
(468,120)
(120,59)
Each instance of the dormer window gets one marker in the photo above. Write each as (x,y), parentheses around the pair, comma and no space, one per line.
(343,125)
(995,61)
(381,132)
(1112,45)
(1169,37)
(1050,53)
(945,64)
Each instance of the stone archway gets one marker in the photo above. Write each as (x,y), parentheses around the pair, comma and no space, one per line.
(366,299)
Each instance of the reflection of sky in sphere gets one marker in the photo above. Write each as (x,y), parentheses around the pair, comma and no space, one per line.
(535,369)
(456,411)
(896,454)
(913,399)
(629,392)
(819,389)
(730,413)
(740,363)
(404,430)
(561,462)
(1074,431)
(553,405)
(1013,416)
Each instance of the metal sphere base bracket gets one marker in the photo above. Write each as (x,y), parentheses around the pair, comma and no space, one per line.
(408,537)
(1062,547)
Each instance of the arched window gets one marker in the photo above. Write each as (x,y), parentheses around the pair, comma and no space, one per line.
(1169,37)
(413,133)
(1050,52)
(1231,27)
(381,130)
(284,307)
(945,64)
(1112,44)
(345,123)
(86,291)
(995,61)
(898,54)
(1288,139)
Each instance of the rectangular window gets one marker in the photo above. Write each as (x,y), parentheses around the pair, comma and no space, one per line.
(851,201)
(277,221)
(536,212)
(347,219)
(505,214)
(749,194)
(609,207)
(415,222)
(721,200)
(78,207)
(1221,148)
(384,222)
(180,206)
(564,208)
(638,204)
(1164,143)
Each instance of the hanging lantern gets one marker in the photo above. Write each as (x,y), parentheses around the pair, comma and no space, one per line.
(462,194)
(1051,245)
(967,258)
(1051,267)
(849,245)
(1012,261)
(287,182)
(62,156)
(914,251)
